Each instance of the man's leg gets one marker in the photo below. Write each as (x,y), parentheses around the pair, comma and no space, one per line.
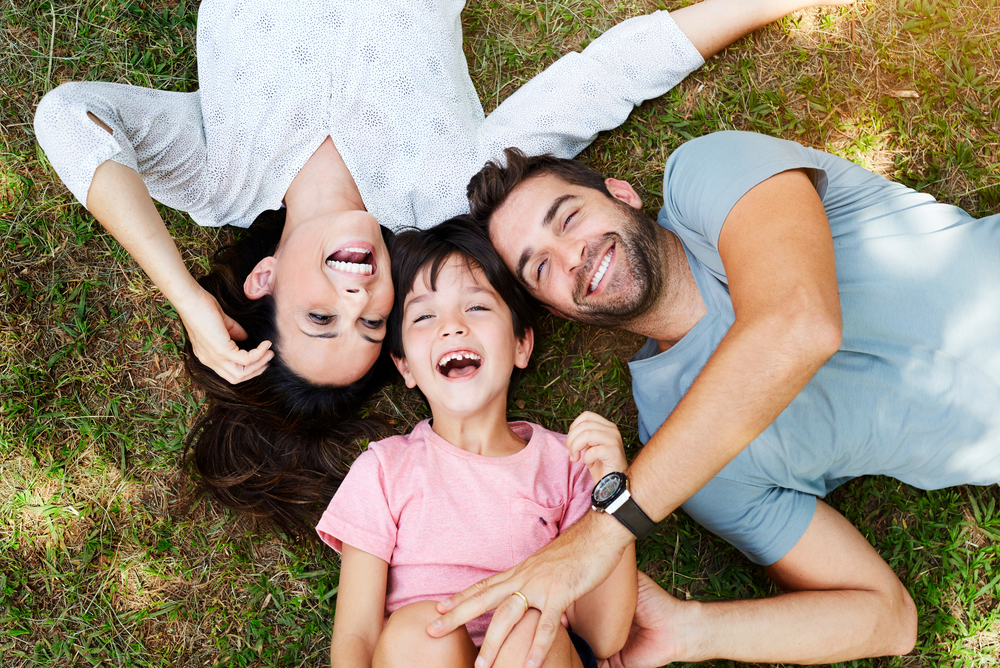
(712,25)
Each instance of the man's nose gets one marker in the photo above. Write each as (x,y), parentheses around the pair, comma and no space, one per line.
(574,255)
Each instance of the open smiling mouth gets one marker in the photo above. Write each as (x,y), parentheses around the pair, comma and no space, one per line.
(596,280)
(353,260)
(459,364)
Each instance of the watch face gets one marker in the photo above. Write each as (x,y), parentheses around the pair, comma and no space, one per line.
(607,488)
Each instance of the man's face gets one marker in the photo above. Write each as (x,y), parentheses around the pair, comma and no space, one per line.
(586,256)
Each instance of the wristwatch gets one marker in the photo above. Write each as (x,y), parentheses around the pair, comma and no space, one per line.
(611,496)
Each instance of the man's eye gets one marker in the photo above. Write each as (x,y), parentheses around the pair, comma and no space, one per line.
(538,271)
(320,319)
(569,219)
(373,324)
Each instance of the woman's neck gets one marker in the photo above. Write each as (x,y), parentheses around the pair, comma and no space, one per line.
(323,185)
(485,433)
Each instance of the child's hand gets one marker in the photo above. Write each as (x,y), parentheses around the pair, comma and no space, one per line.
(599,443)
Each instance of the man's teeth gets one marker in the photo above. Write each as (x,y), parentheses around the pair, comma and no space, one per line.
(458,356)
(364,269)
(600,271)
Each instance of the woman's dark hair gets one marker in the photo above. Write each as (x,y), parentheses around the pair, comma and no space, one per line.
(274,446)
(415,250)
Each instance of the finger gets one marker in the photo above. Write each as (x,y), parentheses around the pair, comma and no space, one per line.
(583,417)
(504,620)
(545,635)
(252,370)
(236,332)
(470,603)
(584,438)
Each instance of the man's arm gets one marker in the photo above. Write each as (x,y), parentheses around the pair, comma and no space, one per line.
(844,603)
(777,249)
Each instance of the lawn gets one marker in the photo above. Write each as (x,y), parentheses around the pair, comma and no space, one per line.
(109,555)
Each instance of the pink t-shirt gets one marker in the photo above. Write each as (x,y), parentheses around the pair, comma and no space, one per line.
(444,518)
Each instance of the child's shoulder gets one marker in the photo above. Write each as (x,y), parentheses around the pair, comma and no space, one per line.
(399,443)
(535,433)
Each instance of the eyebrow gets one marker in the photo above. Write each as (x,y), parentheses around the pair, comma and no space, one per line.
(333,335)
(546,221)
(423,297)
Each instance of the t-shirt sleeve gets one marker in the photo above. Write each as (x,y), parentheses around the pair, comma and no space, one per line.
(707,176)
(562,109)
(359,512)
(764,523)
(158,134)
(580,487)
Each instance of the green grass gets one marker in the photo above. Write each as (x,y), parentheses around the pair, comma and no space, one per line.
(108,554)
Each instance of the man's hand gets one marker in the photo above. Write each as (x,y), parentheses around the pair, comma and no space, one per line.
(653,640)
(599,442)
(551,579)
(213,337)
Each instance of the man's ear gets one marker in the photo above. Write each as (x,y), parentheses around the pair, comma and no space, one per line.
(260,282)
(624,191)
(404,371)
(522,354)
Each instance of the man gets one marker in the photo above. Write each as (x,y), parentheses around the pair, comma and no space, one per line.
(808,322)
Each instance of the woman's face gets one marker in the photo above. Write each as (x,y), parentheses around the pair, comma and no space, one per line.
(332,285)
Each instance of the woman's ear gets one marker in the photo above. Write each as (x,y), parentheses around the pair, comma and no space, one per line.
(260,282)
(522,354)
(624,191)
(404,371)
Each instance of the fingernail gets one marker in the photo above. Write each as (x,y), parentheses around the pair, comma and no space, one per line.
(436,623)
(480,662)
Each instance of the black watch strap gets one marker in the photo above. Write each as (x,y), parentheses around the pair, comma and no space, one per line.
(634,519)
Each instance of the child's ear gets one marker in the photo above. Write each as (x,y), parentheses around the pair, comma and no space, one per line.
(522,354)
(404,371)
(260,282)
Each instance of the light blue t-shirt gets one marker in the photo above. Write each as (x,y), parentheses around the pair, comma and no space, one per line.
(913,392)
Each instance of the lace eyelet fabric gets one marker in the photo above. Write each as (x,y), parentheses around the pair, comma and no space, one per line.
(386,80)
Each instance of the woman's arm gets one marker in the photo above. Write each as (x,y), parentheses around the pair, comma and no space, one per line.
(360,609)
(118,198)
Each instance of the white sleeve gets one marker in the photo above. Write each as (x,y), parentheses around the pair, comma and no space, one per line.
(562,109)
(159,134)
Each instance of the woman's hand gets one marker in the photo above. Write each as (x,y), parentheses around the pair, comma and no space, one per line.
(213,337)
(599,442)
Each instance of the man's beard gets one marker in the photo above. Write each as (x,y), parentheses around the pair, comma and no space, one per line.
(638,240)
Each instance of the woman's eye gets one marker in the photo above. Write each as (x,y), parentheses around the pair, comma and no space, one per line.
(320,319)
(538,271)
(373,324)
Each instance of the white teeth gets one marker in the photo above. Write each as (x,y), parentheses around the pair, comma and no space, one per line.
(458,356)
(363,269)
(356,250)
(600,271)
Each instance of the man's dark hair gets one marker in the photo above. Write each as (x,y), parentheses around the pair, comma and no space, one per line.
(415,250)
(490,187)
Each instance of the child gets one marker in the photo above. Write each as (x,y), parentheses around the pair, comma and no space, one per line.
(466,494)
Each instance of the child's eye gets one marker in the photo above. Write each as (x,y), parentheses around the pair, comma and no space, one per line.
(479,307)
(424,316)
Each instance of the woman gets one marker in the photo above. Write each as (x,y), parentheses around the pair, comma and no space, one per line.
(352,115)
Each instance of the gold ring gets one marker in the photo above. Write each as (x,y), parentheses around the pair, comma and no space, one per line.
(523,598)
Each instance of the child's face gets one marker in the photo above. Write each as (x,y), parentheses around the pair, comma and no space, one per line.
(459,341)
